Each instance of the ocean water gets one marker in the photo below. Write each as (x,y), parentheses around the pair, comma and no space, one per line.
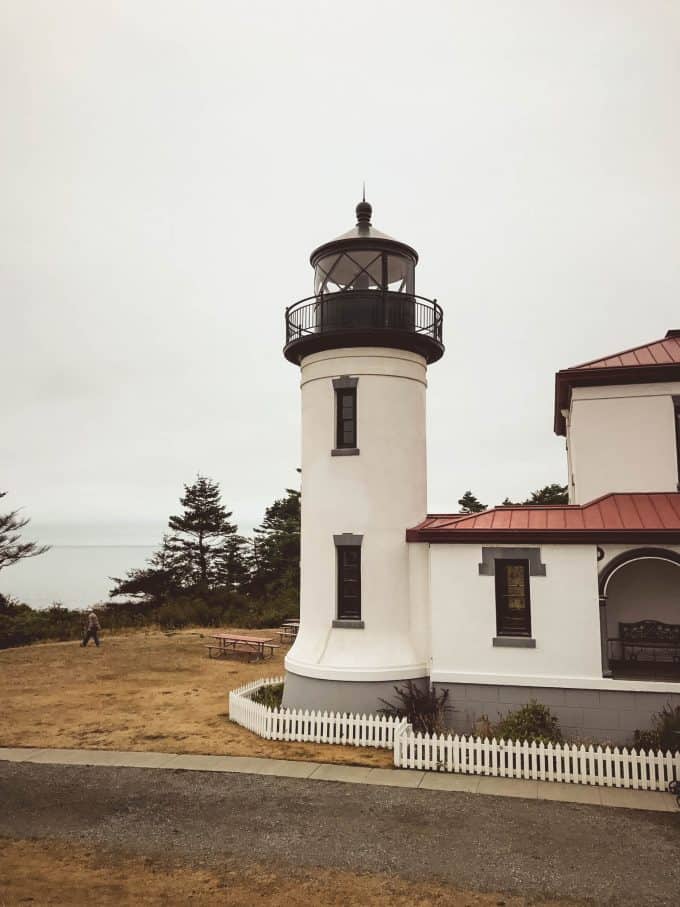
(75,575)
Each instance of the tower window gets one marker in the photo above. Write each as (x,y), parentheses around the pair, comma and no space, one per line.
(346,409)
(349,582)
(513,611)
(345,415)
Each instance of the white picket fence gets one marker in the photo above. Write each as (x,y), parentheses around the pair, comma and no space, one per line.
(311,727)
(605,767)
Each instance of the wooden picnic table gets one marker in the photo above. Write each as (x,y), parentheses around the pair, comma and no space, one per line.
(289,630)
(233,644)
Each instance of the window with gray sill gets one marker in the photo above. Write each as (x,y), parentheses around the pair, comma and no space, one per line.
(513,606)
(348,555)
(345,389)
(511,569)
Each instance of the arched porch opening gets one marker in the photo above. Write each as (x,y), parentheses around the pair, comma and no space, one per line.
(640,615)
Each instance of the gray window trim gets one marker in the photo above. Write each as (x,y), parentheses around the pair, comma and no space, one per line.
(345,452)
(491,555)
(348,624)
(345,539)
(514,642)
(344,383)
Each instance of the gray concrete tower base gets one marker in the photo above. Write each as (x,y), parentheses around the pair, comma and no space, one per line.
(362,697)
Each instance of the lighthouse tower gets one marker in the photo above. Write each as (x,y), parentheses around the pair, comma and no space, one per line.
(363,342)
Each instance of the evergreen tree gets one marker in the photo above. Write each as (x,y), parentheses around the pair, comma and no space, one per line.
(507,502)
(12,549)
(550,494)
(207,549)
(202,552)
(276,555)
(159,581)
(469,504)
(232,563)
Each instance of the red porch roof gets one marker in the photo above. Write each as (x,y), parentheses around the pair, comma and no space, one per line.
(650,362)
(630,518)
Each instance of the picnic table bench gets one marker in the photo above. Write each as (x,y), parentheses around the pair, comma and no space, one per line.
(233,644)
(289,630)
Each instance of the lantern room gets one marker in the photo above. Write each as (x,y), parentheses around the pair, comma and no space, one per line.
(364,295)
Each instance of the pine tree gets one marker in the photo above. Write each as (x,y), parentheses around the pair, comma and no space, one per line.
(276,556)
(550,494)
(202,552)
(232,563)
(158,581)
(207,547)
(469,504)
(12,549)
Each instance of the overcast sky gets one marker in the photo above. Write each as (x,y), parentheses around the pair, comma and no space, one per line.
(167,168)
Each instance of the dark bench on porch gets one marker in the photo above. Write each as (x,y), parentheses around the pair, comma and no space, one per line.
(651,637)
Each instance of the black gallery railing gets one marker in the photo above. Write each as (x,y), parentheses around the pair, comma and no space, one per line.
(356,310)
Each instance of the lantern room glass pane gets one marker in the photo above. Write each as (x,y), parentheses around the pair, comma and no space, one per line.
(400,274)
(364,269)
(323,274)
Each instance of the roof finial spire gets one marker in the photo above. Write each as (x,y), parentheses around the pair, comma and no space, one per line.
(364,210)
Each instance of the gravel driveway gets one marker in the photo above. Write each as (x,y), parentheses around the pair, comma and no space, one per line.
(535,848)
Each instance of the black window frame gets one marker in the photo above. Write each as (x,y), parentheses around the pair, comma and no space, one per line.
(342,394)
(344,611)
(503,626)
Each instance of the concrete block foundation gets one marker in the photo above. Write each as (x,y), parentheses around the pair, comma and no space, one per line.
(603,716)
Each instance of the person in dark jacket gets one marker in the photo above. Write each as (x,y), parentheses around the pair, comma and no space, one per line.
(92,629)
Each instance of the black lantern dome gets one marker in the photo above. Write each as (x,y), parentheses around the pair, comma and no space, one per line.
(364,295)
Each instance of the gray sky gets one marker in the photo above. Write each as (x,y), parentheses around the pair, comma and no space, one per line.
(168,166)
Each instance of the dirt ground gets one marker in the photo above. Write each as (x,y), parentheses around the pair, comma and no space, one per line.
(53,873)
(144,690)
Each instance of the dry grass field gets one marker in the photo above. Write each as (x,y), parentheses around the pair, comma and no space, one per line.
(55,873)
(144,690)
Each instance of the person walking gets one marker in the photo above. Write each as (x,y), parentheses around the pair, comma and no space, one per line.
(92,629)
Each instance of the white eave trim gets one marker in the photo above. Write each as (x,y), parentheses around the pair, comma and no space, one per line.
(567,683)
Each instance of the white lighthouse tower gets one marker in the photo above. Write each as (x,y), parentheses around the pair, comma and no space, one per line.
(363,342)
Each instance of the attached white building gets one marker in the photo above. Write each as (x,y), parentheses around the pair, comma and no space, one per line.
(501,607)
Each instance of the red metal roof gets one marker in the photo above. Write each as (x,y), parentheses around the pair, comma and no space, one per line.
(655,361)
(635,517)
(658,352)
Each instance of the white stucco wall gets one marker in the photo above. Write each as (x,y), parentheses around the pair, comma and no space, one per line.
(377,494)
(621,438)
(564,619)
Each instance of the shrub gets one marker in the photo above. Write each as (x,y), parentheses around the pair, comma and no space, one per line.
(270,695)
(424,708)
(664,734)
(21,625)
(532,721)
